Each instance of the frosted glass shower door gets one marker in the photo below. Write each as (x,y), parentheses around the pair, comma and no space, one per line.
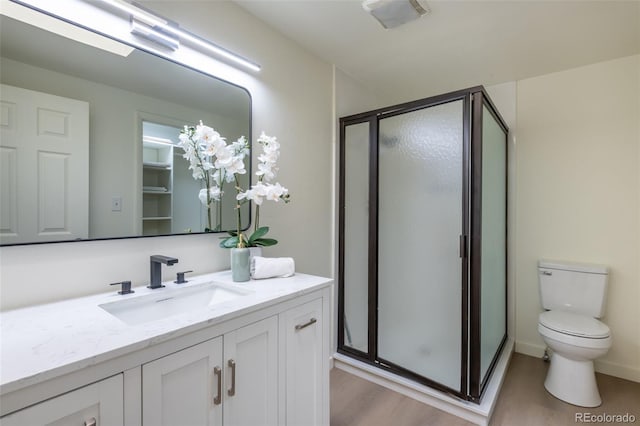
(494,240)
(420,220)
(356,236)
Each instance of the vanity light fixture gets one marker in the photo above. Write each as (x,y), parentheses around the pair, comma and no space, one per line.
(141,29)
(393,13)
(22,12)
(163,27)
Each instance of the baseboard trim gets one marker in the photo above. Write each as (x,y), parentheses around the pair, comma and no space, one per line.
(479,414)
(530,349)
(601,366)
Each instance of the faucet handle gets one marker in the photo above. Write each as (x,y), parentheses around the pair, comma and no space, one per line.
(126,287)
(180,277)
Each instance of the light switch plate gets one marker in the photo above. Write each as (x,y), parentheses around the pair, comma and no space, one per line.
(116,204)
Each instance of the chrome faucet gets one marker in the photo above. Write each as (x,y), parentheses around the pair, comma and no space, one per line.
(156,269)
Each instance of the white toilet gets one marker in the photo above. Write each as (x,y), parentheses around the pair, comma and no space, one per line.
(573,296)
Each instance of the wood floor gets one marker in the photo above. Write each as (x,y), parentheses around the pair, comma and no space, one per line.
(523,401)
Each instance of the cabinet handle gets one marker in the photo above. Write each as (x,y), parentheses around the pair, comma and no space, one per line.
(218,373)
(90,422)
(232,389)
(307,324)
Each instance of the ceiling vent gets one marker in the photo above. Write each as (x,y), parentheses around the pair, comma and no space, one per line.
(393,13)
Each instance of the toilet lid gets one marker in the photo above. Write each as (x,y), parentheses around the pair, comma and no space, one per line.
(574,324)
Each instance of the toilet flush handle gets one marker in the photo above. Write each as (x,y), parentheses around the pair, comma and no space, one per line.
(546,273)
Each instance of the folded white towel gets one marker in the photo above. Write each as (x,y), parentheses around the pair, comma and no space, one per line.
(272,267)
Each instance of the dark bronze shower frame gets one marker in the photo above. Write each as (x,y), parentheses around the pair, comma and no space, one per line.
(471,384)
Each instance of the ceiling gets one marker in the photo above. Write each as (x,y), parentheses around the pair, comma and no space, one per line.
(459,43)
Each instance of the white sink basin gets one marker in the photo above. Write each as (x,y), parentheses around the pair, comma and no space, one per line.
(164,302)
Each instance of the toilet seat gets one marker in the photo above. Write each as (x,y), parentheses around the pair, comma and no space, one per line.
(573,329)
(574,324)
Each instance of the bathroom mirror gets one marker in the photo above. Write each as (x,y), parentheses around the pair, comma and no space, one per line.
(121,174)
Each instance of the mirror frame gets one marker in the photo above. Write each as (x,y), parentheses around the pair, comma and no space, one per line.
(149,52)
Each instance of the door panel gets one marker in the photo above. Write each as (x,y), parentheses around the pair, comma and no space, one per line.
(420,222)
(45,147)
(356,236)
(493,280)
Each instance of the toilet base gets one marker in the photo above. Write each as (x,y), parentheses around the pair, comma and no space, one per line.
(573,381)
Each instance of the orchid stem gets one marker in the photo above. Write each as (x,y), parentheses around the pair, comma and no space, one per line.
(257,224)
(238,206)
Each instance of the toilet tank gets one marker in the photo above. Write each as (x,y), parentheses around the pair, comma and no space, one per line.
(573,287)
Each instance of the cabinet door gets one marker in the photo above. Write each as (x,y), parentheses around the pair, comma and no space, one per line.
(181,389)
(302,328)
(251,375)
(99,404)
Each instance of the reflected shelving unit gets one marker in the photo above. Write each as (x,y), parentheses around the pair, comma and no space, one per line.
(157,185)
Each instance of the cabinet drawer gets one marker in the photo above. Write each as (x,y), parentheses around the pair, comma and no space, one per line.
(99,404)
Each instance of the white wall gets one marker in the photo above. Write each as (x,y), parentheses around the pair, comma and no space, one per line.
(351,97)
(578,191)
(292,99)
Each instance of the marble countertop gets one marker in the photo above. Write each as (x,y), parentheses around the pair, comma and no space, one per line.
(42,342)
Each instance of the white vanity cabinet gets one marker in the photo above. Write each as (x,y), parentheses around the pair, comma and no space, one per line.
(98,404)
(259,360)
(230,380)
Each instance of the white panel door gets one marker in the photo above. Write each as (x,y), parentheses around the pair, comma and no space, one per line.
(251,375)
(100,404)
(44,154)
(302,329)
(183,389)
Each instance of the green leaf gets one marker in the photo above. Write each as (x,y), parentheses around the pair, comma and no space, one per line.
(265,242)
(230,242)
(260,232)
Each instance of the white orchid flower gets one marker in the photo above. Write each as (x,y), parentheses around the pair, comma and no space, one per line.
(260,189)
(250,195)
(184,139)
(241,147)
(269,157)
(271,147)
(198,174)
(206,134)
(275,192)
(224,157)
(236,166)
(266,171)
(215,193)
(202,196)
(210,149)
(267,140)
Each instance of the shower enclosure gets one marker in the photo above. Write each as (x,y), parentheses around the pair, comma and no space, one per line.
(422,247)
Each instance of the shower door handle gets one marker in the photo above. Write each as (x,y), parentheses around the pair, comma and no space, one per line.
(463,246)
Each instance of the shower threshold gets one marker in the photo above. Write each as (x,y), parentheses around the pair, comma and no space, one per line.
(479,414)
